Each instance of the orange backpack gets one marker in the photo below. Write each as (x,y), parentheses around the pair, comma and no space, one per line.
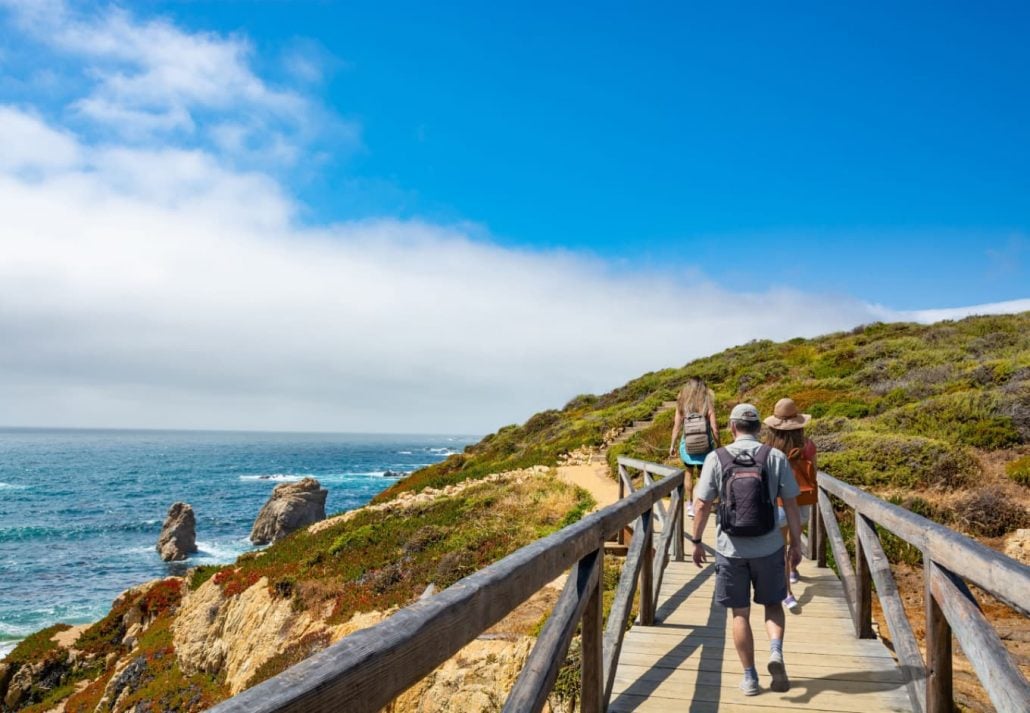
(804,473)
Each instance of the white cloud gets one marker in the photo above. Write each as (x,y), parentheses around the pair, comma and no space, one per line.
(148,80)
(158,288)
(147,280)
(28,144)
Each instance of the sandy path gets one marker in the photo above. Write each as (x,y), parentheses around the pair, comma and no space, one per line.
(70,636)
(593,478)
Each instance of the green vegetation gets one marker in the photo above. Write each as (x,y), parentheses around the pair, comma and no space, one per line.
(37,647)
(1019,471)
(923,415)
(896,405)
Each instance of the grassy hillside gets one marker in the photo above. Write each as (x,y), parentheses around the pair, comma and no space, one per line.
(896,406)
(935,417)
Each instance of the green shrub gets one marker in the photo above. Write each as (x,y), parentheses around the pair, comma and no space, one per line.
(867,458)
(972,418)
(1019,471)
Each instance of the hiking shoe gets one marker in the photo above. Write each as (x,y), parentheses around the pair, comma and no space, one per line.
(780,682)
(690,509)
(795,577)
(749,687)
(790,602)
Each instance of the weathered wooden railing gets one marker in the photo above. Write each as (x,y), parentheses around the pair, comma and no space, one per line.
(369,668)
(949,559)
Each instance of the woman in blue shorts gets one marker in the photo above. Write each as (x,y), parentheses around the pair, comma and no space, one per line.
(697,430)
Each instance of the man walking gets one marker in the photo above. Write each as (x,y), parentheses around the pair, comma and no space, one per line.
(747,477)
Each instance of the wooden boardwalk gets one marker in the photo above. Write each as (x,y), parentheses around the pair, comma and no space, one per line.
(686,662)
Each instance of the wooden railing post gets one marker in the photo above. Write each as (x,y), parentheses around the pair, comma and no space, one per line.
(863,586)
(938,649)
(621,539)
(677,545)
(647,571)
(592,637)
(820,535)
(810,540)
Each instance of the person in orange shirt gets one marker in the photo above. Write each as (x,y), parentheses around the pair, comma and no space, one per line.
(787,433)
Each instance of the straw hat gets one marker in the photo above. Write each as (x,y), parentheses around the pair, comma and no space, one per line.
(786,417)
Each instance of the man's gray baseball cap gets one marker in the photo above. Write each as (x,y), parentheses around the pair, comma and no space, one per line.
(744,412)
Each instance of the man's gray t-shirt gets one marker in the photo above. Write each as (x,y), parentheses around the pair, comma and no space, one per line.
(781,485)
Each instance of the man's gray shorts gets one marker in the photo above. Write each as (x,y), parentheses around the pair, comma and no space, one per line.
(734,577)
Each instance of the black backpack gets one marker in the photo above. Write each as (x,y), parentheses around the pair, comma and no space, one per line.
(745,508)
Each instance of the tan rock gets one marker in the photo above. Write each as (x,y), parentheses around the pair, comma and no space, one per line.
(290,507)
(1017,545)
(235,635)
(178,538)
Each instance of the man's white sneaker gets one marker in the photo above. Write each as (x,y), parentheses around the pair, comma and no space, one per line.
(749,687)
(790,602)
(780,682)
(690,509)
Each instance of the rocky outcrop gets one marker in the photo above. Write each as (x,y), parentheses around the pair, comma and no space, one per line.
(178,538)
(291,507)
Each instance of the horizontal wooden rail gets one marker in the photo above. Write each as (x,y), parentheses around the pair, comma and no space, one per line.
(949,558)
(368,669)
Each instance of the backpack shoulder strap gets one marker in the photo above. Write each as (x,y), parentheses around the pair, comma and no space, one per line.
(725,458)
(762,455)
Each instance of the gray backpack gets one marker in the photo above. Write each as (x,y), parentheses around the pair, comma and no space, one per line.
(695,434)
(745,507)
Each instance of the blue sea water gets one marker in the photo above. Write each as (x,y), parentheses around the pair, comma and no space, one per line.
(80,511)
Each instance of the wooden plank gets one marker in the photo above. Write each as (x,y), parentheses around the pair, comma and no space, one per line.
(938,650)
(592,682)
(905,645)
(663,551)
(802,665)
(538,675)
(641,704)
(813,645)
(666,471)
(622,605)
(840,552)
(678,523)
(659,685)
(716,679)
(1001,678)
(647,608)
(992,571)
(863,587)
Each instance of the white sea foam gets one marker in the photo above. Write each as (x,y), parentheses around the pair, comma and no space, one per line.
(404,453)
(220,552)
(6,647)
(275,477)
(12,486)
(442,451)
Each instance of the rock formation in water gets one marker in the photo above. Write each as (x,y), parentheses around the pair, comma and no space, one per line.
(291,507)
(178,539)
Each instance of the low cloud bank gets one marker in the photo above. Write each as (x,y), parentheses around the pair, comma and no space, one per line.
(156,288)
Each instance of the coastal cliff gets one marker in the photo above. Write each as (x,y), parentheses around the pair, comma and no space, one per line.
(935,418)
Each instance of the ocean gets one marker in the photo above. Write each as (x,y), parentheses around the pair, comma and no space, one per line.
(80,510)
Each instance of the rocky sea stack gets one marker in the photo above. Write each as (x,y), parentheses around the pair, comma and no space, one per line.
(290,507)
(178,538)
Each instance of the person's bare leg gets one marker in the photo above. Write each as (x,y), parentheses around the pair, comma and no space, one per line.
(774,621)
(774,626)
(743,638)
(786,562)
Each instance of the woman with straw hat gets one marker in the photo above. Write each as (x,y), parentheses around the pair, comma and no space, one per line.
(787,433)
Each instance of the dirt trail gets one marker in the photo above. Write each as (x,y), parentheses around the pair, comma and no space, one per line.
(594,479)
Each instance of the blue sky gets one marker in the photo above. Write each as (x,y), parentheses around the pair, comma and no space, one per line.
(275,213)
(881,150)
